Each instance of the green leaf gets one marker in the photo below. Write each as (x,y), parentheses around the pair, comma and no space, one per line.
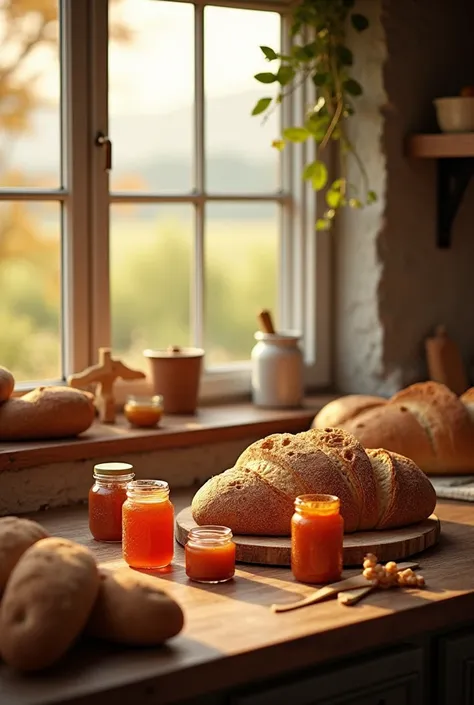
(338,184)
(319,79)
(317,173)
(333,198)
(269,53)
(359,22)
(285,75)
(318,126)
(322,224)
(266,77)
(344,55)
(371,198)
(261,106)
(296,134)
(330,214)
(279,145)
(355,203)
(352,87)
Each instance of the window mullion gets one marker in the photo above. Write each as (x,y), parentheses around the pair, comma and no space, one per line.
(197,288)
(74,23)
(288,212)
(100,279)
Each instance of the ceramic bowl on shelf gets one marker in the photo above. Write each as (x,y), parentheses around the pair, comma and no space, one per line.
(455,114)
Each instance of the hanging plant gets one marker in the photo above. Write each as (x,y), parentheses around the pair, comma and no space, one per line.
(326,61)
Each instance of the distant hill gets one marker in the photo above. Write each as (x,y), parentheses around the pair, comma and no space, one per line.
(158,149)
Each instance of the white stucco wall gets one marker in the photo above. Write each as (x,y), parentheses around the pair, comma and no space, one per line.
(392,283)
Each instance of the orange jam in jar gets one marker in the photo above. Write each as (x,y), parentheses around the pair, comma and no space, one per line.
(144,412)
(317,534)
(148,525)
(106,497)
(210,554)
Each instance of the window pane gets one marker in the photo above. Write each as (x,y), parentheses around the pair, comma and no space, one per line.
(29,94)
(151,95)
(151,250)
(239,153)
(241,269)
(30,285)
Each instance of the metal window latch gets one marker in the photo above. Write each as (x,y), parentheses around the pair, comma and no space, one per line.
(103,141)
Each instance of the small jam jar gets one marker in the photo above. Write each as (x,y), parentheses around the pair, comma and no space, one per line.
(148,525)
(317,535)
(210,554)
(106,497)
(145,412)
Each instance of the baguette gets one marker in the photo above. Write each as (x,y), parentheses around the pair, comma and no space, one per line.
(426,422)
(377,489)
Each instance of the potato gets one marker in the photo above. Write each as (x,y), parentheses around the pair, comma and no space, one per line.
(7,384)
(46,412)
(131,609)
(16,536)
(47,602)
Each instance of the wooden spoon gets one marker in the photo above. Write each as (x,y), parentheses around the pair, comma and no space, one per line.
(355,588)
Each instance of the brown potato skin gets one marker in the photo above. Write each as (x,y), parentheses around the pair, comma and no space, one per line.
(7,384)
(131,609)
(16,536)
(47,602)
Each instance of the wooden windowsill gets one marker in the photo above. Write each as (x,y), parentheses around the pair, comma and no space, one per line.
(213,424)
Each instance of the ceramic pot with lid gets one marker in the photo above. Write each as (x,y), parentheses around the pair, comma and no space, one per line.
(176,375)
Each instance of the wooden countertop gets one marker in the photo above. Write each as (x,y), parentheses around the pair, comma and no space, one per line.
(231,637)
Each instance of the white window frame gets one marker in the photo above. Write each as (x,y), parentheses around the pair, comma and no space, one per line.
(304,254)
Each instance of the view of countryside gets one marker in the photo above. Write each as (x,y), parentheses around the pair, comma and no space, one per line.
(151,98)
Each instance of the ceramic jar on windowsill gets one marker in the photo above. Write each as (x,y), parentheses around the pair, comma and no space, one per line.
(277,370)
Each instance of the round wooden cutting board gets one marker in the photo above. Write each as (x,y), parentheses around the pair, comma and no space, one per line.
(391,545)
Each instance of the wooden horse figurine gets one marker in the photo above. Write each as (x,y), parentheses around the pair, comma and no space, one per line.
(104,375)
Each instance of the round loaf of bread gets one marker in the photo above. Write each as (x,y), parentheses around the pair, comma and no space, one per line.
(257,495)
(47,602)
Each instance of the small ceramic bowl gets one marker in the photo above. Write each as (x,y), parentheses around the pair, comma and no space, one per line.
(455,114)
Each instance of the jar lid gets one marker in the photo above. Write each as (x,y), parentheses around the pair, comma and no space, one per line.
(174,351)
(113,468)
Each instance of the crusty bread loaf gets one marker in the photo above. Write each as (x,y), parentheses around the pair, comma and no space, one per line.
(377,489)
(425,422)
(46,412)
(7,384)
(345,408)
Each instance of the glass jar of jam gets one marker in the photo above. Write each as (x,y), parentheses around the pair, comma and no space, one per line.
(210,554)
(148,525)
(144,412)
(106,497)
(317,535)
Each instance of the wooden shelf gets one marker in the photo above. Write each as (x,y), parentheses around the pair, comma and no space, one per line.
(455,164)
(440,146)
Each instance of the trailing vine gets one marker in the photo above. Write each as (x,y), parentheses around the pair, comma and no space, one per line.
(326,60)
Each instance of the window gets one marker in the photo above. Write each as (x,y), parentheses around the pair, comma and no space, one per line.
(198,223)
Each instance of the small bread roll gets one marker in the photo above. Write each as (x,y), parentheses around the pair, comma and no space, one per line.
(47,602)
(132,609)
(7,384)
(16,536)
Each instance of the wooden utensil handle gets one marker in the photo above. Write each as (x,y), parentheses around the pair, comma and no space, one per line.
(265,322)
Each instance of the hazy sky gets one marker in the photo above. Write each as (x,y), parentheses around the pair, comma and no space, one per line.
(154,72)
